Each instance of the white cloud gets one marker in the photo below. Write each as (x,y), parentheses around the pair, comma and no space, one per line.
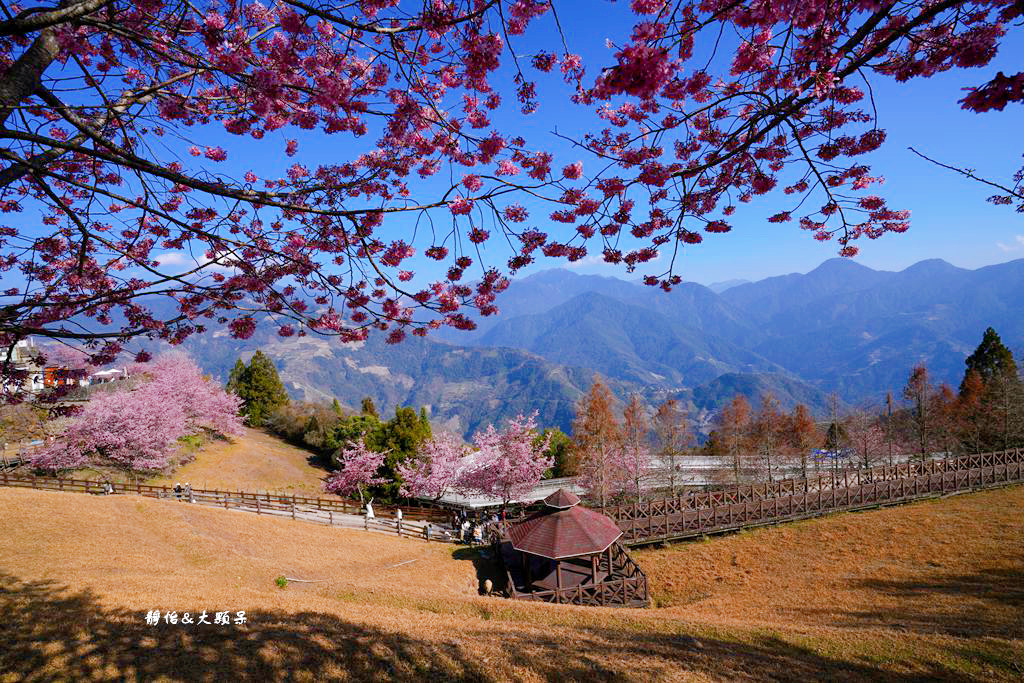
(188,261)
(1018,244)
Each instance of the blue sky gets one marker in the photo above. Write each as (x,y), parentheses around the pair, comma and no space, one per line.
(950,218)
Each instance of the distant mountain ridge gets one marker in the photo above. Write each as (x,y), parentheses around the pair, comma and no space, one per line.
(841,327)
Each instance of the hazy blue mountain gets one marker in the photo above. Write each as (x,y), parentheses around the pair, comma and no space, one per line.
(719,287)
(462,388)
(626,342)
(689,304)
(864,342)
(842,327)
(835,278)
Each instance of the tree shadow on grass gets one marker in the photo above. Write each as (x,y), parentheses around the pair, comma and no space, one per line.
(988,603)
(50,633)
(488,566)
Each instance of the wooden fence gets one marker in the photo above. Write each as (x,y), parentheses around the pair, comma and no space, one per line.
(335,512)
(842,479)
(626,585)
(658,522)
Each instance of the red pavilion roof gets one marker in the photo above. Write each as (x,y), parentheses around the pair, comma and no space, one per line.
(568,532)
(561,499)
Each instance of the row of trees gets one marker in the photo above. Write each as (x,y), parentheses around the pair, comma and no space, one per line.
(985,414)
(504,464)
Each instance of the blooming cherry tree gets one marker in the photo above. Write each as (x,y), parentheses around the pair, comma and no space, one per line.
(136,428)
(359,466)
(437,468)
(122,126)
(509,463)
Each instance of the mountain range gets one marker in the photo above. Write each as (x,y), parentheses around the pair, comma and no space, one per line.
(841,328)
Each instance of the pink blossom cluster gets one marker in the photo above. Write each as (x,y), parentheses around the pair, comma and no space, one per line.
(137,428)
(413,91)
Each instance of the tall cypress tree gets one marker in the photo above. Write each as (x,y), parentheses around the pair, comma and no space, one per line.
(259,387)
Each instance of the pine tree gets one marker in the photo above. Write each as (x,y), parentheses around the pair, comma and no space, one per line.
(259,387)
(336,407)
(368,408)
(998,411)
(991,360)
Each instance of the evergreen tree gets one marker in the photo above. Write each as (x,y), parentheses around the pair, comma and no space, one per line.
(991,360)
(259,387)
(337,408)
(560,451)
(368,408)
(991,402)
(401,437)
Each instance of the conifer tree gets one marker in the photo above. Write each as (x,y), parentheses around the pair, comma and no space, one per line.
(991,360)
(733,434)
(369,408)
(918,392)
(768,428)
(803,435)
(259,387)
(991,400)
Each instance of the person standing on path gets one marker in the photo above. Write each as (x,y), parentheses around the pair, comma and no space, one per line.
(369,514)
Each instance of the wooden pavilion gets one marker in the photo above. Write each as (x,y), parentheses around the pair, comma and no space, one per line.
(567,553)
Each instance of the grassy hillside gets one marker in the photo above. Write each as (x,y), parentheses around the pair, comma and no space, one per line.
(844,598)
(251,461)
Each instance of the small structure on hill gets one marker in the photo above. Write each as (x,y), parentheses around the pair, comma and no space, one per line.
(567,553)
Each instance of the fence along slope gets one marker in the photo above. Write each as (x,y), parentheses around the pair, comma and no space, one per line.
(789,487)
(323,510)
(660,521)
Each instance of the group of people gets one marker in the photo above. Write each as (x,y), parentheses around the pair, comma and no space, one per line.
(472,531)
(186,491)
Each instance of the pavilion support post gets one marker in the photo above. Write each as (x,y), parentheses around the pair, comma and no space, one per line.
(593,569)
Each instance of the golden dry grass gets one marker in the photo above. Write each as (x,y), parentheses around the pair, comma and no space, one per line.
(251,461)
(850,597)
